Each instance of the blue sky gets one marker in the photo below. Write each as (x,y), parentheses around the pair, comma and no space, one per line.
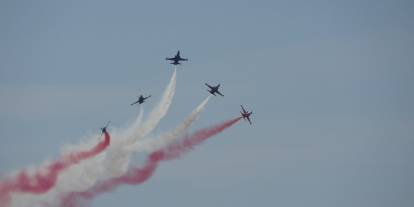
(330,83)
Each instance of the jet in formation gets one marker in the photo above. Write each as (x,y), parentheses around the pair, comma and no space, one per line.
(176,59)
(246,114)
(103,129)
(214,89)
(141,99)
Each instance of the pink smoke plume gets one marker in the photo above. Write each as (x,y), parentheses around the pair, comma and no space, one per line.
(138,175)
(44,179)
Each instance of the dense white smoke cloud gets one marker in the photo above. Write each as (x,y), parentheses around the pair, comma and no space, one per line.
(113,162)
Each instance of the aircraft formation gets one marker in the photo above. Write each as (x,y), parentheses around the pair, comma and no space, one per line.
(211,89)
(44,179)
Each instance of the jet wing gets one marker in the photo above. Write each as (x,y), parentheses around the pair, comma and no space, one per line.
(248,119)
(244,110)
(219,93)
(135,102)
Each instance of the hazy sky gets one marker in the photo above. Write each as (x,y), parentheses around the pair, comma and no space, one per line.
(330,83)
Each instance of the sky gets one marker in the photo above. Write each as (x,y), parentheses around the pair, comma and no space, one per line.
(330,83)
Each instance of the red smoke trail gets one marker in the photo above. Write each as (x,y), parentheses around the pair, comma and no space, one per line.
(138,175)
(45,179)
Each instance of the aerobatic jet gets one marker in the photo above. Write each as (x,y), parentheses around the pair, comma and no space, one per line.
(176,59)
(246,114)
(141,99)
(214,89)
(103,129)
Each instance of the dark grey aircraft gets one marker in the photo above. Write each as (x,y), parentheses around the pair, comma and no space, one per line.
(214,89)
(103,129)
(176,59)
(246,115)
(141,99)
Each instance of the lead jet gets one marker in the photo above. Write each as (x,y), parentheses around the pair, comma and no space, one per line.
(176,59)
(141,99)
(214,89)
(246,114)
(103,129)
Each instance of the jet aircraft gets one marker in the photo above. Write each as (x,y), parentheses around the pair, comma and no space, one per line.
(103,129)
(214,89)
(141,99)
(246,114)
(176,59)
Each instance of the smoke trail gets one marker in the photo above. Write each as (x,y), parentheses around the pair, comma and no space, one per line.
(112,163)
(116,170)
(158,113)
(134,126)
(169,137)
(138,175)
(116,159)
(44,179)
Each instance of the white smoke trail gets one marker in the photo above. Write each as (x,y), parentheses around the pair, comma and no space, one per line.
(117,159)
(149,145)
(157,114)
(167,138)
(113,162)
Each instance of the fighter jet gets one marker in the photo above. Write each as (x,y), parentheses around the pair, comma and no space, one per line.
(176,59)
(141,99)
(214,89)
(103,129)
(246,114)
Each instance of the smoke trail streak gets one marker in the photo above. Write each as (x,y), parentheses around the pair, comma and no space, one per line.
(115,170)
(138,175)
(117,159)
(169,137)
(158,113)
(134,126)
(44,179)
